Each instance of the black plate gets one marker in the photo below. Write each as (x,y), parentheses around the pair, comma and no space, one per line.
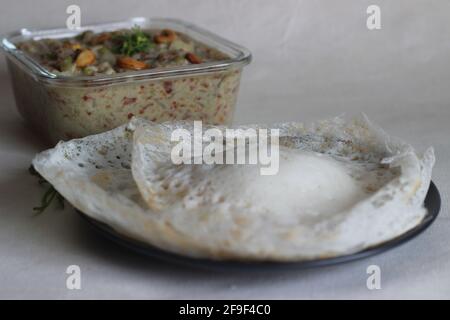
(432,203)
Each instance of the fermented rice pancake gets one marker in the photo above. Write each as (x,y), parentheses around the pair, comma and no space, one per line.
(343,185)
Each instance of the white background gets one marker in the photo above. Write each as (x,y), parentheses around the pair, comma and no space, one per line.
(313,59)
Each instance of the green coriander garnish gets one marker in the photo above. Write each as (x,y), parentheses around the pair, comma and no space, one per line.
(133,42)
(49,195)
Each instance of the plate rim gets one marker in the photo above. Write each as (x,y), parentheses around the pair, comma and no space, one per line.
(432,203)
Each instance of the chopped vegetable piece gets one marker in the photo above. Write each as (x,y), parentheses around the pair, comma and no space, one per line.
(90,70)
(67,64)
(105,55)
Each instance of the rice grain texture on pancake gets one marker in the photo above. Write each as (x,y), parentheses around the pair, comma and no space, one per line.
(343,185)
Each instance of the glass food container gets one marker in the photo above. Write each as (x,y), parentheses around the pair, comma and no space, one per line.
(64,107)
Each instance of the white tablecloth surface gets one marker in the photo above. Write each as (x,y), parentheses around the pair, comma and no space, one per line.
(312,60)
